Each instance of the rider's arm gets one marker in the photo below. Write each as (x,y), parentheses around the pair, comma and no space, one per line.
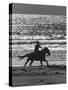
(40,46)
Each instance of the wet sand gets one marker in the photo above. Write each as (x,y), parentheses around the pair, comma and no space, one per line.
(37,75)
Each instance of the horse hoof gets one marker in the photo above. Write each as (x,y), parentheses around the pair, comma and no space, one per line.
(42,80)
(47,65)
(24,69)
(40,67)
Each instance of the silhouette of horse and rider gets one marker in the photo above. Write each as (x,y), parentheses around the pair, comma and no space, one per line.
(39,54)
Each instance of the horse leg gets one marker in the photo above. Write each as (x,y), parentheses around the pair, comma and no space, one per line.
(26,62)
(41,63)
(46,62)
(31,62)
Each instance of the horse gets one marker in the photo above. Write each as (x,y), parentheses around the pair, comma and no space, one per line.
(39,56)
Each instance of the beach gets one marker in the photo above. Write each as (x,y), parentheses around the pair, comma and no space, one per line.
(37,75)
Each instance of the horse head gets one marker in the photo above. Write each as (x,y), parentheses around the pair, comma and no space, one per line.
(46,50)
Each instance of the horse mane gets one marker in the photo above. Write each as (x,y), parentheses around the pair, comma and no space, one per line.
(45,48)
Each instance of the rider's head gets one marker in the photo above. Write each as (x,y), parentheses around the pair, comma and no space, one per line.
(38,42)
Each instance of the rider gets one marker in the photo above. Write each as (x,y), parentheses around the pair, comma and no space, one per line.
(37,46)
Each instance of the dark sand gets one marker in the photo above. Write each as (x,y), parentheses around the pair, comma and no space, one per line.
(37,75)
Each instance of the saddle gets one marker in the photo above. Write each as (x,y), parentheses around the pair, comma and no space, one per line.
(37,53)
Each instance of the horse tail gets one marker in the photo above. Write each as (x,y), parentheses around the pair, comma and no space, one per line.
(21,57)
